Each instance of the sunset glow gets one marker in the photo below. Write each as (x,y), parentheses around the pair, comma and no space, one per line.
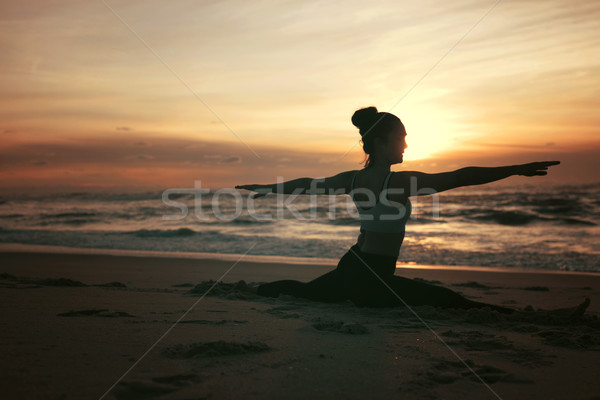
(151,94)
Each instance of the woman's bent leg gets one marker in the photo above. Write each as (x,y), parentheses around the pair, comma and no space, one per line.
(325,288)
(274,289)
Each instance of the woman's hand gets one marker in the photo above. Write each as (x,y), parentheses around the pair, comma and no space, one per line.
(261,190)
(535,168)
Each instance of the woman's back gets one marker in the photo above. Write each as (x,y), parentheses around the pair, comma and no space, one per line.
(379,237)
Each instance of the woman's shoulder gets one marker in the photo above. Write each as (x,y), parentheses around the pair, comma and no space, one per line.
(342,181)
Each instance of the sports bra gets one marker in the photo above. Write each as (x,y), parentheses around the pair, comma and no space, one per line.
(386,217)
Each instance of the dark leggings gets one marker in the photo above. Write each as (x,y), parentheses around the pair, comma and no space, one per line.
(353,280)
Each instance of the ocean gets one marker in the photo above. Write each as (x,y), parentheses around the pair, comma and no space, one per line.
(533,227)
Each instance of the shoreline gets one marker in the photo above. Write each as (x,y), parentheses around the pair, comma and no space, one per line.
(149,272)
(271,259)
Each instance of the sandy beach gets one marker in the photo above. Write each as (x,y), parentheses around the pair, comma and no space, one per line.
(97,326)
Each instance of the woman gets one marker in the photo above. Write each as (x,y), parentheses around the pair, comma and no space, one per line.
(365,274)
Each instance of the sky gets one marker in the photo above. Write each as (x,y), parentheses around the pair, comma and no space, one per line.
(137,95)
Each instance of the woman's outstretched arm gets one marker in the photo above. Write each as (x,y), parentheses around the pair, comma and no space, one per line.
(337,184)
(415,183)
(297,186)
(480,175)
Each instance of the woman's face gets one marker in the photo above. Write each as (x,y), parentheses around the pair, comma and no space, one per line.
(396,145)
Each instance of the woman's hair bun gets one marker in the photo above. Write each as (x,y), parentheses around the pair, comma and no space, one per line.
(364,118)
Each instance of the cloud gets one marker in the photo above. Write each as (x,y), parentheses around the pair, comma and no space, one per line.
(231,160)
(123,128)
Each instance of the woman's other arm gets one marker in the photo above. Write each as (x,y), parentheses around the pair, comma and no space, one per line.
(297,186)
(337,184)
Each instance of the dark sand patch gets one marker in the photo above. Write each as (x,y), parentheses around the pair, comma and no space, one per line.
(570,339)
(237,290)
(483,315)
(157,386)
(62,282)
(95,313)
(479,341)
(524,328)
(280,312)
(178,380)
(537,288)
(351,328)
(475,285)
(452,371)
(207,322)
(476,341)
(58,282)
(432,282)
(213,349)
(111,284)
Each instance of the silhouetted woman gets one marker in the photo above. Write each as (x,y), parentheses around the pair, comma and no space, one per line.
(365,274)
